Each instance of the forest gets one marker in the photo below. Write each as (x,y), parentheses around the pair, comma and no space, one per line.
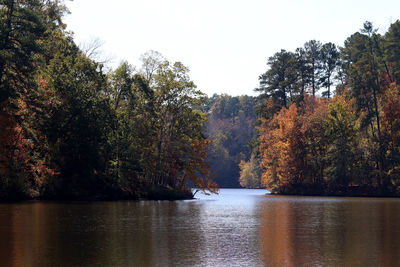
(69,129)
(330,119)
(326,121)
(230,127)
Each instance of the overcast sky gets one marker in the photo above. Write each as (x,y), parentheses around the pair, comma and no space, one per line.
(225,43)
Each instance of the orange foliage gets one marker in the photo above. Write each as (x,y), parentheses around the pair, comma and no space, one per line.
(283,158)
(391,114)
(22,143)
(391,128)
(290,142)
(14,148)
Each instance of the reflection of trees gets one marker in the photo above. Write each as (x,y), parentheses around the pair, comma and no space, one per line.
(276,235)
(328,232)
(103,234)
(6,236)
(173,235)
(293,232)
(23,238)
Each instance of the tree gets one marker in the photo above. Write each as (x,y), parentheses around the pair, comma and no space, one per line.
(363,56)
(197,169)
(313,54)
(392,51)
(70,131)
(250,173)
(347,144)
(151,62)
(341,129)
(283,151)
(303,70)
(25,97)
(22,28)
(390,103)
(329,61)
(278,82)
(77,130)
(230,127)
(24,151)
(121,83)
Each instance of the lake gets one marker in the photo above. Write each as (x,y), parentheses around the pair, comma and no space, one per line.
(238,227)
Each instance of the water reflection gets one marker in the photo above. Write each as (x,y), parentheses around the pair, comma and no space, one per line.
(230,228)
(330,232)
(236,228)
(104,234)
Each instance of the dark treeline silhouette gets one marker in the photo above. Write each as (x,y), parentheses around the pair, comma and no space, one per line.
(70,130)
(348,144)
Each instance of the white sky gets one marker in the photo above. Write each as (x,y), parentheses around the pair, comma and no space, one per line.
(225,43)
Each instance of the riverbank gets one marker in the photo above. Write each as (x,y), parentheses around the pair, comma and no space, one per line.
(350,191)
(147,193)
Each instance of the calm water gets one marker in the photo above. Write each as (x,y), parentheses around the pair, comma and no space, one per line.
(235,228)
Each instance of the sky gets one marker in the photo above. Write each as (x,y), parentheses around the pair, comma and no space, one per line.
(225,43)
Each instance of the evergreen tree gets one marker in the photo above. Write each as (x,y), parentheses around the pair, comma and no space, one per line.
(279,80)
(329,61)
(313,54)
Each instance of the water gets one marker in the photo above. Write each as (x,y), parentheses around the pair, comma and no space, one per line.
(236,228)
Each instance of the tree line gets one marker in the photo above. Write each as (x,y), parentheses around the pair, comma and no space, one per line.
(230,127)
(70,129)
(326,118)
(315,140)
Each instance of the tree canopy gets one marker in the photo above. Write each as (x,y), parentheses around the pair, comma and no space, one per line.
(71,130)
(319,144)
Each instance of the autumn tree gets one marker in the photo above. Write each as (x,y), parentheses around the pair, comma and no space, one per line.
(250,173)
(69,130)
(341,129)
(341,145)
(25,97)
(391,133)
(282,149)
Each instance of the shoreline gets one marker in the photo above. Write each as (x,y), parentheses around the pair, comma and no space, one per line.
(334,195)
(354,191)
(151,194)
